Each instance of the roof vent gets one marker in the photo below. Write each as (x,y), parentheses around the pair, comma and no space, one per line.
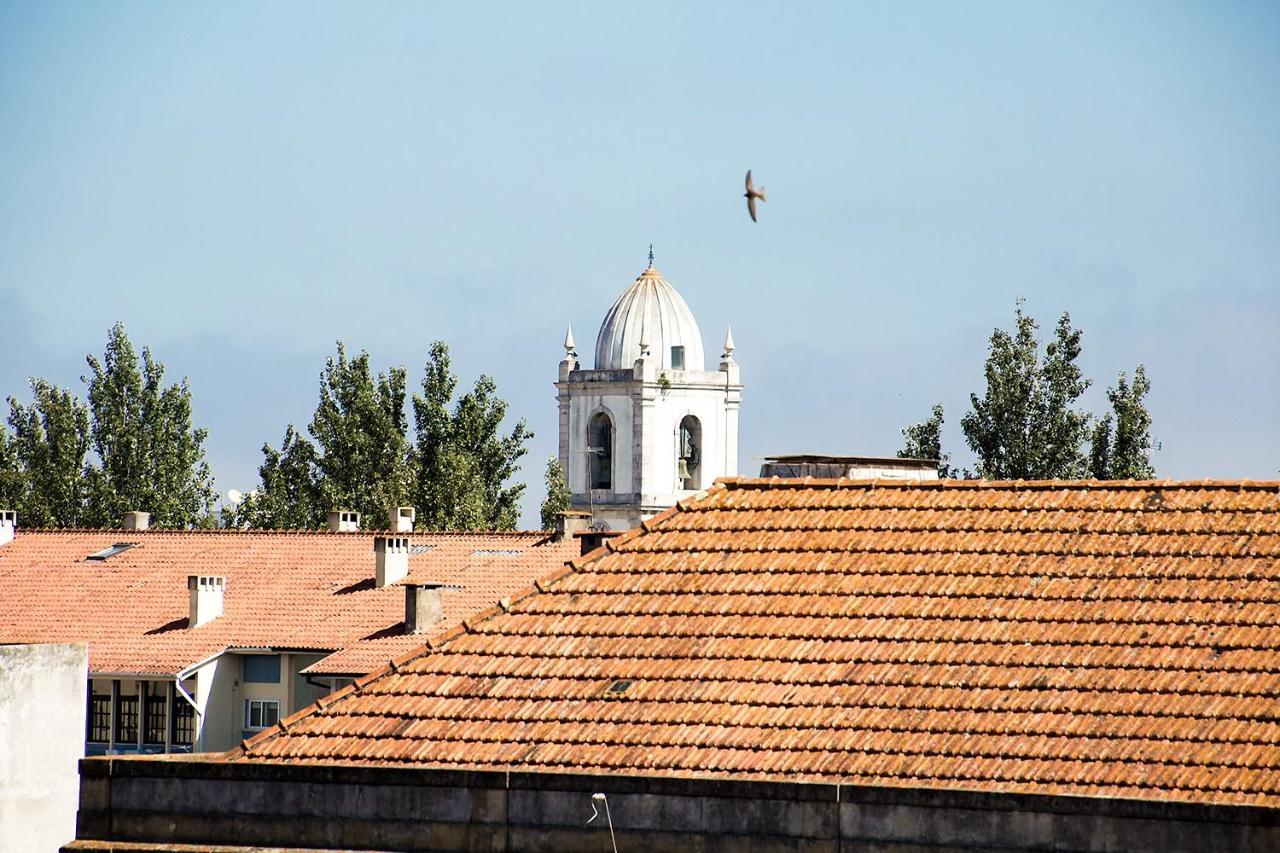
(8,524)
(401,519)
(135,520)
(424,605)
(205,593)
(391,559)
(344,521)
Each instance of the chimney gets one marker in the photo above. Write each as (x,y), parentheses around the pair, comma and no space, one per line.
(571,522)
(391,559)
(401,519)
(343,521)
(424,605)
(205,593)
(8,525)
(135,520)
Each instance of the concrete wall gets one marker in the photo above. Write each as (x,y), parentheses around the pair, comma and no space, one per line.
(208,802)
(42,722)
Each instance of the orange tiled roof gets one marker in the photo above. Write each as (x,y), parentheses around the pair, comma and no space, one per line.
(307,591)
(1108,639)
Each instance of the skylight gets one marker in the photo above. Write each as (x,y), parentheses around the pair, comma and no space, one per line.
(497,552)
(106,553)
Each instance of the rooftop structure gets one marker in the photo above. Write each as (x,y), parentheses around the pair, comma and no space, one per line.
(188,629)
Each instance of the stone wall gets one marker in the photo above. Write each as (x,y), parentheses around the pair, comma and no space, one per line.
(43,698)
(214,802)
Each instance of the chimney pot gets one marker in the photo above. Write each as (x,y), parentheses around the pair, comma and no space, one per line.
(391,559)
(135,520)
(423,606)
(8,525)
(344,521)
(401,519)
(205,594)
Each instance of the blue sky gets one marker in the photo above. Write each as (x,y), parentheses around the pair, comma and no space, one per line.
(244,184)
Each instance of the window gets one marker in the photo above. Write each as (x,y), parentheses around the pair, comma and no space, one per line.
(107,553)
(184,723)
(600,451)
(262,669)
(261,713)
(689,453)
(677,358)
(156,715)
(99,717)
(127,718)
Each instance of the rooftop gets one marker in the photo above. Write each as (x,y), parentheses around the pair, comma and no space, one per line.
(302,591)
(1084,638)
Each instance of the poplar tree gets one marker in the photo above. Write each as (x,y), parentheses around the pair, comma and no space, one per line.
(558,494)
(50,441)
(289,494)
(1121,445)
(150,456)
(464,460)
(924,441)
(1026,426)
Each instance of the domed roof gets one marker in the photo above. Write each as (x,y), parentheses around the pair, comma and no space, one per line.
(648,311)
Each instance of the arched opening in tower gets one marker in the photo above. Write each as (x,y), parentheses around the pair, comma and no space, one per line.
(600,451)
(689,453)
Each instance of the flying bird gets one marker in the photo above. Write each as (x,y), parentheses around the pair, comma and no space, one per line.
(751,195)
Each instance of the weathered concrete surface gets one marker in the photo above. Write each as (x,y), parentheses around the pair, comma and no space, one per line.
(167,802)
(42,723)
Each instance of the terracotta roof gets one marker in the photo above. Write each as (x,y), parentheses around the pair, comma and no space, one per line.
(286,590)
(1109,639)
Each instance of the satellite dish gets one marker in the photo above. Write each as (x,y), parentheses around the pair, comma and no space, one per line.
(234,497)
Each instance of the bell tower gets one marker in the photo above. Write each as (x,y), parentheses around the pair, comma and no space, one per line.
(648,425)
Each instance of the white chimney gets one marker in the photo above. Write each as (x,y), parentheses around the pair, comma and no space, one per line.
(391,559)
(137,520)
(344,521)
(401,519)
(8,525)
(205,593)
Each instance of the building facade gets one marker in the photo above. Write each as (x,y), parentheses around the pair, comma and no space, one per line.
(648,425)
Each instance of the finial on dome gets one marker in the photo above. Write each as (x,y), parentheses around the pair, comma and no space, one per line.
(728,343)
(650,256)
(569,345)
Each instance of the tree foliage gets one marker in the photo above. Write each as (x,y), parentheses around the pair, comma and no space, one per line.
(146,453)
(1121,444)
(150,455)
(463,458)
(50,441)
(360,457)
(558,494)
(924,441)
(1026,425)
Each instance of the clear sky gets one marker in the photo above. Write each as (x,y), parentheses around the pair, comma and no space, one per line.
(244,184)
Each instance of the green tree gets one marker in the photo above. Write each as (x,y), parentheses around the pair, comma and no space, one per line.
(924,441)
(50,441)
(1121,445)
(150,456)
(289,496)
(558,494)
(12,490)
(1026,425)
(464,461)
(359,428)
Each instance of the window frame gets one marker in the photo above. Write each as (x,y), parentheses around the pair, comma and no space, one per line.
(99,719)
(261,705)
(128,719)
(182,726)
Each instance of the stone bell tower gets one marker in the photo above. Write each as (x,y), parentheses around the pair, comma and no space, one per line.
(649,425)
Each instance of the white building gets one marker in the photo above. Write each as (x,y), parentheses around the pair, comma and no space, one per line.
(649,425)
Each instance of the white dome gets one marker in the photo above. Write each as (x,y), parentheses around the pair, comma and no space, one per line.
(651,311)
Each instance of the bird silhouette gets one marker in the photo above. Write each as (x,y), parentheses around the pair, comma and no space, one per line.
(751,195)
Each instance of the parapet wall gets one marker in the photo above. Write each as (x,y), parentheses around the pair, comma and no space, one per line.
(210,802)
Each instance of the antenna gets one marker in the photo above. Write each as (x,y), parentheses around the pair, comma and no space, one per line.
(234,497)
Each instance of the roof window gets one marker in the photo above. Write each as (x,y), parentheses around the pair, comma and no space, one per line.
(107,553)
(497,552)
(621,685)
